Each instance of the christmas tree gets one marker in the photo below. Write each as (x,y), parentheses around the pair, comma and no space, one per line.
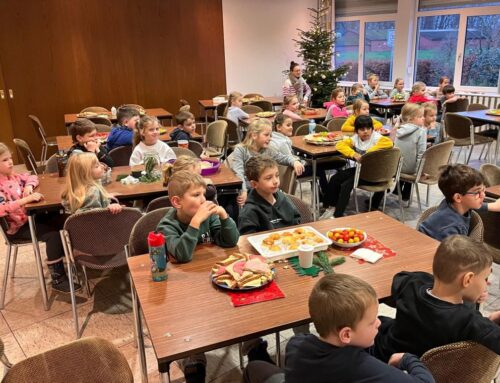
(316,47)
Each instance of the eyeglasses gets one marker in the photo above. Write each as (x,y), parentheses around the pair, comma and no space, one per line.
(477,193)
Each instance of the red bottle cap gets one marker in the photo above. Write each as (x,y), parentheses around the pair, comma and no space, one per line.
(155,239)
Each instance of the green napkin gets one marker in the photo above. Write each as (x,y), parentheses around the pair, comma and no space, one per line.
(321,261)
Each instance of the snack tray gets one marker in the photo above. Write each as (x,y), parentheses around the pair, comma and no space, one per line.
(256,242)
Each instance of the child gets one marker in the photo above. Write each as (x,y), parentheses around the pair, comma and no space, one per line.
(448,97)
(438,92)
(186,126)
(411,138)
(233,110)
(433,127)
(344,310)
(194,219)
(360,108)
(417,94)
(193,165)
(84,136)
(83,190)
(463,189)
(357,91)
(291,107)
(398,92)
(337,105)
(122,133)
(266,207)
(295,85)
(341,184)
(146,141)
(257,142)
(373,87)
(431,311)
(16,191)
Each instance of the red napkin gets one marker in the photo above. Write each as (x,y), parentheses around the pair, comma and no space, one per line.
(267,293)
(372,244)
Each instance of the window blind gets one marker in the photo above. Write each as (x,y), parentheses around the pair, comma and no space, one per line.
(427,5)
(349,8)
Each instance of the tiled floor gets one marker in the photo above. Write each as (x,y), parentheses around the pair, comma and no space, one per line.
(27,329)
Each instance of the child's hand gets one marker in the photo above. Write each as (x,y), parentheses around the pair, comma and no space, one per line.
(494,206)
(298,168)
(495,317)
(395,359)
(206,209)
(356,157)
(221,212)
(27,190)
(241,199)
(115,208)
(92,146)
(34,197)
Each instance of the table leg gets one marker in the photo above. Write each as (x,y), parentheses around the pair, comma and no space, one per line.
(385,115)
(140,335)
(313,189)
(278,349)
(164,372)
(38,259)
(495,160)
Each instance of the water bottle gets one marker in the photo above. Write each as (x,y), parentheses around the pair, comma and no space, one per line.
(157,256)
(113,111)
(312,126)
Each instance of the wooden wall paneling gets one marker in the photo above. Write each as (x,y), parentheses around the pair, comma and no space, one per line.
(61,56)
(6,132)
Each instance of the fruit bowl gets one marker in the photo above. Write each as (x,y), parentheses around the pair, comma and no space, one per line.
(347,236)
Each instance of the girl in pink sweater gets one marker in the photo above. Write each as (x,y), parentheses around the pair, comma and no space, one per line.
(336,106)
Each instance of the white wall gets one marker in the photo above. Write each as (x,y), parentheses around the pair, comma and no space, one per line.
(258,42)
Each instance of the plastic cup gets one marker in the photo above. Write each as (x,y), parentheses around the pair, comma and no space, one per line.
(183,143)
(306,256)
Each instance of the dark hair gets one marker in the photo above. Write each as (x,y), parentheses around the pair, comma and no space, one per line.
(458,178)
(363,122)
(448,89)
(256,165)
(460,254)
(335,93)
(293,64)
(442,78)
(126,113)
(279,120)
(80,127)
(182,117)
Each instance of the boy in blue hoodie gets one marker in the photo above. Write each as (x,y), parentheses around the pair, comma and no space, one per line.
(122,133)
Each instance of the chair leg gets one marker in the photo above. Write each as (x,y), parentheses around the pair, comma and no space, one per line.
(240,354)
(5,276)
(413,186)
(470,154)
(481,154)
(428,195)
(418,199)
(278,349)
(14,262)
(73,301)
(86,281)
(355,200)
(400,198)
(459,152)
(383,204)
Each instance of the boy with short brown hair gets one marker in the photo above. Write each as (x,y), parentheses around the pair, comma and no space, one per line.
(122,134)
(433,311)
(84,136)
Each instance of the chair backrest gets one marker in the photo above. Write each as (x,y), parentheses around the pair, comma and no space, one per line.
(220,109)
(491,223)
(135,106)
(159,203)
(473,107)
(195,147)
(85,360)
(465,362)
(436,156)
(216,134)
(303,208)
(233,131)
(94,109)
(51,165)
(26,155)
(460,105)
(251,109)
(253,95)
(138,243)
(265,105)
(380,165)
(37,125)
(457,126)
(102,128)
(304,130)
(491,174)
(183,152)
(121,155)
(335,124)
(87,225)
(297,124)
(100,120)
(287,178)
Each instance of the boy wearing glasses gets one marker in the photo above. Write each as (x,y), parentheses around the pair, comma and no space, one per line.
(463,189)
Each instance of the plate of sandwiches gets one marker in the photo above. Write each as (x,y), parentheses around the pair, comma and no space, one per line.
(265,114)
(323,138)
(242,272)
(87,114)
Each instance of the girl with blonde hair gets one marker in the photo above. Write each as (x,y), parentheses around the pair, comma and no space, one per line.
(291,107)
(233,110)
(257,142)
(359,108)
(83,190)
(417,94)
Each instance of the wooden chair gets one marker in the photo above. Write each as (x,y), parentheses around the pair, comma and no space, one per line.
(476,230)
(46,141)
(183,152)
(461,130)
(250,109)
(102,128)
(233,132)
(220,109)
(137,243)
(216,139)
(253,95)
(287,179)
(86,244)
(465,362)
(95,109)
(297,124)
(100,121)
(85,360)
(382,169)
(27,156)
(121,155)
(265,105)
(428,169)
(304,130)
(335,124)
(158,203)
(135,106)
(491,174)
(193,146)
(460,105)
(303,208)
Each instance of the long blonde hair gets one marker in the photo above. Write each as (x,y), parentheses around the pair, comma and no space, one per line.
(417,86)
(410,111)
(142,124)
(256,127)
(79,179)
(4,148)
(181,163)
(356,107)
(232,97)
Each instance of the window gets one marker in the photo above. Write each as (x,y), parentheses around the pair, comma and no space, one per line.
(481,58)
(379,46)
(347,47)
(436,48)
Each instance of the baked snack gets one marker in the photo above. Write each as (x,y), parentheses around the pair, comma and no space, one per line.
(242,271)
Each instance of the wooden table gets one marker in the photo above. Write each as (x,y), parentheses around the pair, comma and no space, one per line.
(207,105)
(187,315)
(313,153)
(159,113)
(386,104)
(65,142)
(493,191)
(319,114)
